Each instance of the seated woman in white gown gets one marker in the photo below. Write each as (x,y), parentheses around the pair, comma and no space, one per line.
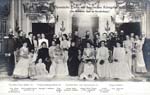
(119,68)
(140,66)
(103,66)
(59,63)
(88,71)
(21,68)
(88,53)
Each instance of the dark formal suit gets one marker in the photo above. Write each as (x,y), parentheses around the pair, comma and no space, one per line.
(10,48)
(96,43)
(77,41)
(30,44)
(20,41)
(122,37)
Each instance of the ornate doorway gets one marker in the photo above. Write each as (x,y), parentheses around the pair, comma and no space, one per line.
(4,13)
(47,28)
(83,24)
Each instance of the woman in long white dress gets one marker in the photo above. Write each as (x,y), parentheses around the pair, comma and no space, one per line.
(88,53)
(21,68)
(128,51)
(103,66)
(64,45)
(119,68)
(140,64)
(58,67)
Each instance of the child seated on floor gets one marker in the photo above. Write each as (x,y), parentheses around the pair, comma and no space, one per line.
(41,71)
(88,71)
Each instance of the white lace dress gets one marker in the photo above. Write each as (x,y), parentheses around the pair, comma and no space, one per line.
(103,70)
(140,63)
(119,68)
(59,66)
(22,67)
(88,72)
(128,53)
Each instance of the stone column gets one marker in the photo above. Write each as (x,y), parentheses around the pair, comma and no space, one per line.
(12,15)
(29,25)
(20,13)
(24,19)
(143,23)
(148,21)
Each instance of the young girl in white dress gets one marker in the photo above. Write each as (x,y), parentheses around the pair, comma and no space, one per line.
(103,66)
(140,64)
(41,71)
(88,71)
(22,67)
(127,44)
(120,68)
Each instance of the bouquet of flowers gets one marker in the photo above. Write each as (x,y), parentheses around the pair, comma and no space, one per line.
(101,62)
(116,60)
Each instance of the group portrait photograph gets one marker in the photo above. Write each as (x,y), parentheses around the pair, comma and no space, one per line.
(75,40)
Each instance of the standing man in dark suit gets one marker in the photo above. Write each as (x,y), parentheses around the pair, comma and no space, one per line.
(76,39)
(86,40)
(29,41)
(121,36)
(21,39)
(10,49)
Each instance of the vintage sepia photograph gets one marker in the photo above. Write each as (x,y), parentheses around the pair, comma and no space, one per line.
(75,40)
